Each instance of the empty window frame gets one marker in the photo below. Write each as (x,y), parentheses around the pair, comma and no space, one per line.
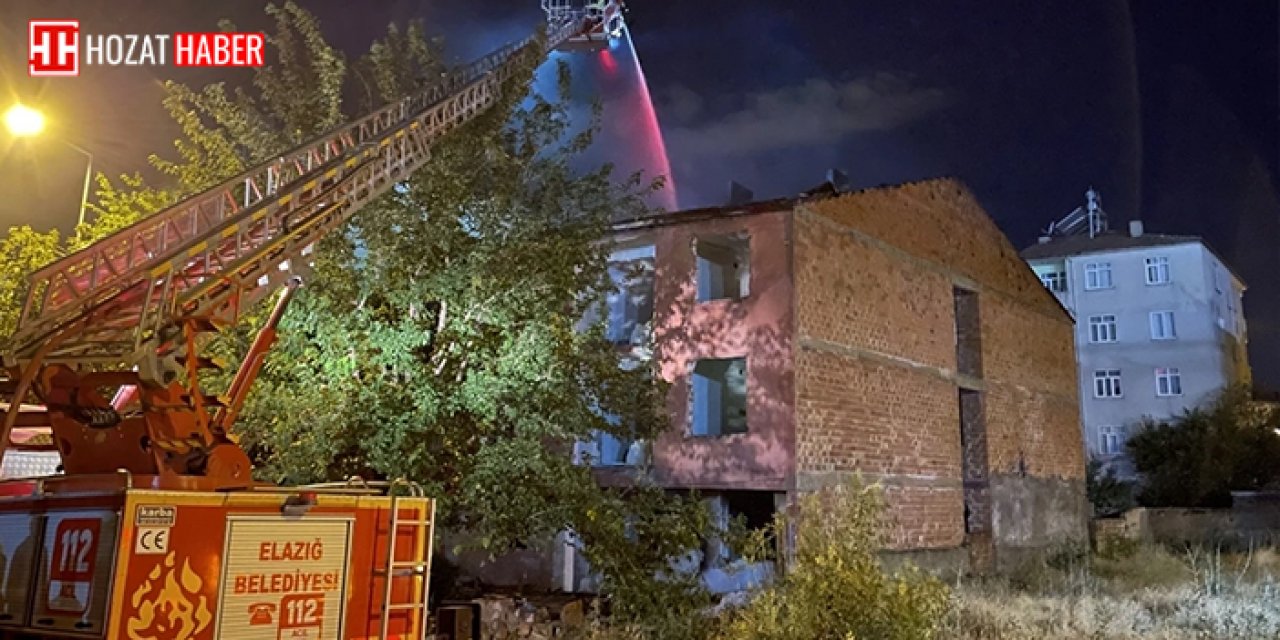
(755,510)
(719,402)
(631,303)
(1106,383)
(1102,328)
(723,267)
(968,332)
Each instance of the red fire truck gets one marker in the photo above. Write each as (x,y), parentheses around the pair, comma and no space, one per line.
(156,530)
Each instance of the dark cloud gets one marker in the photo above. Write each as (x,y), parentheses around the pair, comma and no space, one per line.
(817,111)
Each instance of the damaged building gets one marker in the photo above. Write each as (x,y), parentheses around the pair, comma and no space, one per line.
(892,333)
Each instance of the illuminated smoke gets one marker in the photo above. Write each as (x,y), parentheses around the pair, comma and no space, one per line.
(630,137)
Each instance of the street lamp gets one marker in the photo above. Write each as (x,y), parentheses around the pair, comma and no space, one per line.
(24,122)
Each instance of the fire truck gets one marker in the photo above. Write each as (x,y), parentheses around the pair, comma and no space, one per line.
(155,528)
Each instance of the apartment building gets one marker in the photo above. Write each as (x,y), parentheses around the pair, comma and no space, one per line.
(891,333)
(1159,322)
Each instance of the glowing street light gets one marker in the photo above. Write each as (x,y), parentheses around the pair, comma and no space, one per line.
(24,122)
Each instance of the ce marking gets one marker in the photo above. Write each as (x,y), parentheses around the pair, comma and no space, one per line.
(152,540)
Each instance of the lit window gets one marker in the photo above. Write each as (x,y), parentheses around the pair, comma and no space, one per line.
(1106,383)
(1168,382)
(1055,281)
(719,397)
(1111,440)
(1097,275)
(1162,325)
(1102,328)
(1158,270)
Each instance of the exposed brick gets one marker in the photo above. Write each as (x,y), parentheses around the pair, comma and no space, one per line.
(1021,346)
(940,221)
(857,415)
(924,517)
(1035,433)
(850,333)
(856,295)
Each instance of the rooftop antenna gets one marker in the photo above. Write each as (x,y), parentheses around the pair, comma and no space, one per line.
(1090,218)
(1093,207)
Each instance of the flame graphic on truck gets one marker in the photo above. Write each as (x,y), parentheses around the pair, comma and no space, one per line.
(174,611)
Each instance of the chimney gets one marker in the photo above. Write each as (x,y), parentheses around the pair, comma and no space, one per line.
(1135,228)
(738,194)
(838,179)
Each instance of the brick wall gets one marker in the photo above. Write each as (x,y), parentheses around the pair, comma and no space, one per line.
(855,414)
(877,388)
(939,221)
(759,327)
(876,338)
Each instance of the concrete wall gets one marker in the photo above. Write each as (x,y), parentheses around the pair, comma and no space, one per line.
(1253,521)
(1208,349)
(759,327)
(877,382)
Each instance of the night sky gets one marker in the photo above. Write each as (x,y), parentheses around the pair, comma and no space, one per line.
(1169,109)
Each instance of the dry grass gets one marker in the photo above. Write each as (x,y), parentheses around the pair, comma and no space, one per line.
(1143,593)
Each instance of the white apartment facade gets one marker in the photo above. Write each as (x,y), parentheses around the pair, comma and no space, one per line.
(1159,326)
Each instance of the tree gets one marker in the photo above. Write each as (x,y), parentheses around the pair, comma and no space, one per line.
(1198,458)
(22,251)
(437,339)
(445,320)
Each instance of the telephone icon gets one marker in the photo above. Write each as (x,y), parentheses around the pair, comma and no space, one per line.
(261,613)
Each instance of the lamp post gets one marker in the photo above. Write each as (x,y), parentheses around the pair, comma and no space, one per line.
(25,122)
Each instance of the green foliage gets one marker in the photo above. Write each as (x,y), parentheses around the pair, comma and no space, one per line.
(1197,459)
(436,339)
(22,250)
(1108,494)
(834,586)
(399,60)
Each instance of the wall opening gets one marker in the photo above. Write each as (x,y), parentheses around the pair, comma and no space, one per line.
(719,390)
(968,333)
(973,463)
(724,270)
(631,304)
(751,510)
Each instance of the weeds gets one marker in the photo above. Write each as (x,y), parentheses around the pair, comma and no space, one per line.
(1146,592)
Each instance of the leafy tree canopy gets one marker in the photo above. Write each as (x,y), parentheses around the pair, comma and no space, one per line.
(436,339)
(1200,457)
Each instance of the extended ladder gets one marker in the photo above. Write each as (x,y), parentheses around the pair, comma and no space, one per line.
(214,254)
(128,310)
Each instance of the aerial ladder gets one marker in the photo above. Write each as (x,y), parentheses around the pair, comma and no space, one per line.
(156,528)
